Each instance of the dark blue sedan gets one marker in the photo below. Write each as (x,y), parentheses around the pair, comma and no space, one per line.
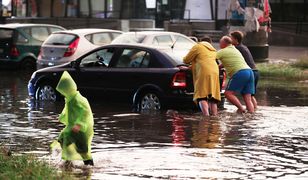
(147,77)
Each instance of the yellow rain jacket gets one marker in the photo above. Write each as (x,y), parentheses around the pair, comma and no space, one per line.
(205,70)
(77,111)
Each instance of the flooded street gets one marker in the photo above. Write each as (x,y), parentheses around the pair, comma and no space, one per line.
(172,144)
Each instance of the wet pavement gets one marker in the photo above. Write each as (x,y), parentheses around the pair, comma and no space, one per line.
(173,144)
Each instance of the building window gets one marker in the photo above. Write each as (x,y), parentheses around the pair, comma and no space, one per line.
(72,8)
(106,8)
(6,10)
(84,8)
(58,8)
(20,6)
(98,8)
(23,8)
(44,9)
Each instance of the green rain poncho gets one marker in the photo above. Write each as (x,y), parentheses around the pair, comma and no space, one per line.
(77,111)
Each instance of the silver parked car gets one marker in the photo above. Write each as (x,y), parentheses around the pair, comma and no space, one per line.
(175,44)
(66,46)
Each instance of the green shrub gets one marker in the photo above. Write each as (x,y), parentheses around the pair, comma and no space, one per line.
(281,71)
(26,167)
(301,63)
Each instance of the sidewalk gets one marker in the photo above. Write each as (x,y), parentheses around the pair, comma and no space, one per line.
(284,53)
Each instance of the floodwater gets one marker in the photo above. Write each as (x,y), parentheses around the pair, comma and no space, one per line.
(171,144)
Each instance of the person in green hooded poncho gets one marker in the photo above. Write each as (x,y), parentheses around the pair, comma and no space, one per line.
(75,139)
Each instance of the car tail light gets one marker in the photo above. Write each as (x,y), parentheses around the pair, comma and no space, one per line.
(71,48)
(14,51)
(179,80)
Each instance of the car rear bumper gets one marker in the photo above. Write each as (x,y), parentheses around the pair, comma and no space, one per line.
(43,63)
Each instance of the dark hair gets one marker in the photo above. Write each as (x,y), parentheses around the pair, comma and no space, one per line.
(238,35)
(206,38)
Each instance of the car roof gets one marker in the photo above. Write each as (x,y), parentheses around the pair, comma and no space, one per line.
(153,33)
(131,45)
(140,45)
(18,25)
(85,31)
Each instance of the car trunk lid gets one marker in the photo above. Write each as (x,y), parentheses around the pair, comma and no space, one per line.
(189,85)
(56,46)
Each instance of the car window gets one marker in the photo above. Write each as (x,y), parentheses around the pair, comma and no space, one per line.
(99,38)
(115,35)
(39,33)
(155,41)
(21,39)
(129,38)
(133,58)
(60,39)
(182,43)
(100,58)
(27,31)
(6,33)
(163,40)
(54,29)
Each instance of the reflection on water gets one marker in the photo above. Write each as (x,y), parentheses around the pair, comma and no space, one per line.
(170,145)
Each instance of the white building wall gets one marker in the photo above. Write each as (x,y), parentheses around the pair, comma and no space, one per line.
(199,9)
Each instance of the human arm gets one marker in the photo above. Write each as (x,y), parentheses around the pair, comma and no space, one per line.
(194,51)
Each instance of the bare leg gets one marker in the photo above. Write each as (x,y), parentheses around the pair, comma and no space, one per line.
(248,102)
(204,107)
(230,95)
(254,102)
(213,107)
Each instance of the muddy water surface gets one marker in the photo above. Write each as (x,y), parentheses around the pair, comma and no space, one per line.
(174,144)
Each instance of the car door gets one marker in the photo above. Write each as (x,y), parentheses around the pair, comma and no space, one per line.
(129,71)
(92,73)
(23,41)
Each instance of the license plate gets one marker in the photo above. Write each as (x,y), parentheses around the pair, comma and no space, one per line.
(1,50)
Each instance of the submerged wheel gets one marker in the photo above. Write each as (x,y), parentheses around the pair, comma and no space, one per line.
(150,101)
(46,92)
(28,64)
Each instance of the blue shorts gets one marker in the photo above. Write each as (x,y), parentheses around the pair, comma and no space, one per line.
(256,76)
(242,82)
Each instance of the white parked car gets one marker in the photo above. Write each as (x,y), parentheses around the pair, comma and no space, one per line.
(65,46)
(175,44)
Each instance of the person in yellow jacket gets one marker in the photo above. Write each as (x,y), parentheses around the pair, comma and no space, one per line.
(75,139)
(202,57)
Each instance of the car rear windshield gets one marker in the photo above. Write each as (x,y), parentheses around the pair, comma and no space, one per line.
(60,39)
(6,33)
(129,38)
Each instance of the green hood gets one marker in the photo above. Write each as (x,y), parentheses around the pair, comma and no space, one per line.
(67,86)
